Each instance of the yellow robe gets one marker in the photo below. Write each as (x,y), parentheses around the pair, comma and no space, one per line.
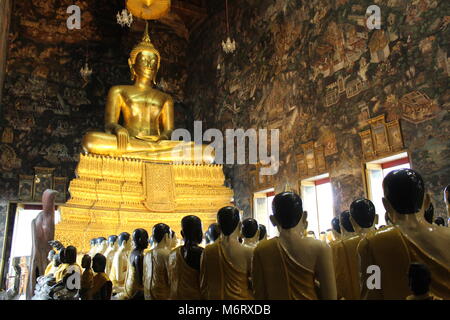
(62,269)
(393,253)
(219,279)
(184,280)
(118,276)
(50,268)
(346,267)
(277,276)
(158,288)
(99,280)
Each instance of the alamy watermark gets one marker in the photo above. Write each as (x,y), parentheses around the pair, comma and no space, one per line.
(257,147)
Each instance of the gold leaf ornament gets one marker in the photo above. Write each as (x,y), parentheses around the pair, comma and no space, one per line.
(148,9)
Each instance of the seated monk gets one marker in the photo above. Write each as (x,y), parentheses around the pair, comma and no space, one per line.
(156,281)
(120,261)
(110,251)
(286,267)
(101,285)
(86,278)
(68,257)
(345,255)
(148,116)
(250,232)
(134,280)
(184,262)
(93,247)
(212,234)
(419,282)
(51,265)
(336,229)
(262,232)
(225,266)
(409,239)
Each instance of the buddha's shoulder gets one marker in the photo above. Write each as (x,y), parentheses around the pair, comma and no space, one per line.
(120,88)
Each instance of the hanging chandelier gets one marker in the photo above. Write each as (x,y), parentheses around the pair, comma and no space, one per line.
(124,18)
(229,46)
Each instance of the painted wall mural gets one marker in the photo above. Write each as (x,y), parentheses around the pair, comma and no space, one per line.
(314,69)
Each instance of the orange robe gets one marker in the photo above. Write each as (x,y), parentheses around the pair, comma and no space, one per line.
(184,280)
(277,276)
(393,253)
(346,267)
(156,280)
(221,280)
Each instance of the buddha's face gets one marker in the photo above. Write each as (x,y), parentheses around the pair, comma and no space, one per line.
(146,64)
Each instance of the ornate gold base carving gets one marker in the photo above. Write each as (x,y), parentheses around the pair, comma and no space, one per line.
(113,195)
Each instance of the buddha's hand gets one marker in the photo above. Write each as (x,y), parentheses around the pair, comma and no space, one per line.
(122,139)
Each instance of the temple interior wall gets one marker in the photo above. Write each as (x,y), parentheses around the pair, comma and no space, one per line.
(315,71)
(309,68)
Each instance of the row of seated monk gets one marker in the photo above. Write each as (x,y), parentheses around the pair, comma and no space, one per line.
(407,259)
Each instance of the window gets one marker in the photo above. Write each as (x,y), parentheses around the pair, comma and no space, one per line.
(375,173)
(317,197)
(262,204)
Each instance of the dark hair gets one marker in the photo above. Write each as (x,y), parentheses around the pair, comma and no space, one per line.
(419,278)
(140,238)
(99,263)
(262,231)
(249,227)
(405,190)
(440,221)
(172,234)
(159,230)
(192,229)
(429,214)
(345,221)
(112,239)
(363,212)
(86,261)
(228,219)
(70,255)
(288,209)
(335,224)
(93,241)
(124,236)
(213,232)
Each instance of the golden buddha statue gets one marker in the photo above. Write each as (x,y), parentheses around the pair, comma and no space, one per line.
(148,115)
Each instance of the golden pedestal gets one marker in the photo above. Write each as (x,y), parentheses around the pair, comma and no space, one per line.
(113,195)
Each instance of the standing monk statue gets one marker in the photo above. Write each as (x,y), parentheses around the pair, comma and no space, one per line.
(42,231)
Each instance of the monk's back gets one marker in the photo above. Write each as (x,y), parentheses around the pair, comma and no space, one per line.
(279,274)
